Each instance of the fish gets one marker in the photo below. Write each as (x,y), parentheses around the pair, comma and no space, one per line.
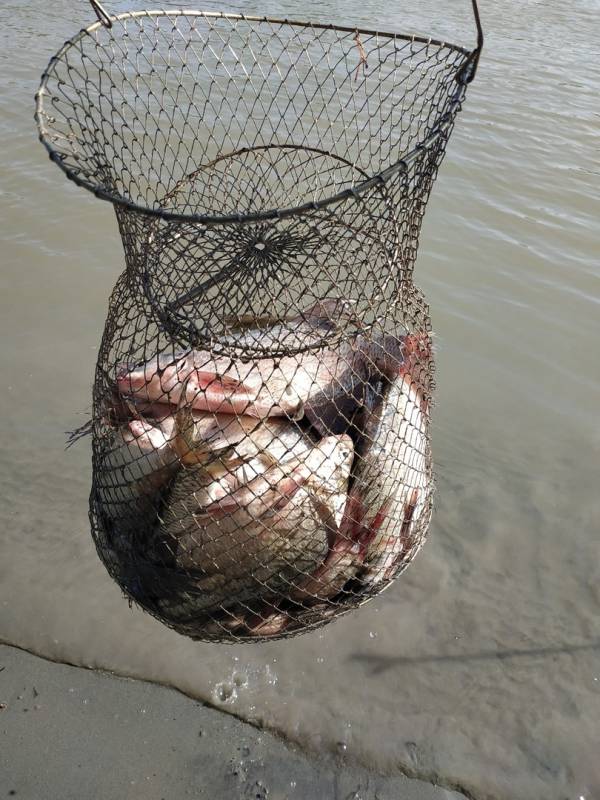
(345,556)
(244,536)
(155,430)
(311,600)
(326,386)
(204,436)
(392,471)
(344,385)
(270,621)
(132,464)
(139,457)
(305,331)
(136,461)
(387,509)
(218,384)
(317,595)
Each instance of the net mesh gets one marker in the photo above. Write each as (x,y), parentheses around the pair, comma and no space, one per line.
(261,457)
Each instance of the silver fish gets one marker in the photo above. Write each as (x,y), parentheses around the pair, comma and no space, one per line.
(326,386)
(305,331)
(240,537)
(223,385)
(260,388)
(138,461)
(392,473)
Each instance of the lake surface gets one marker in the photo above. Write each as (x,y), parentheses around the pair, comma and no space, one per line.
(480,667)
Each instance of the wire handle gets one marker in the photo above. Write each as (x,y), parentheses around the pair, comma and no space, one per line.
(101,13)
(469,68)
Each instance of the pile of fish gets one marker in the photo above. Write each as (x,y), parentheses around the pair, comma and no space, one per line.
(250,498)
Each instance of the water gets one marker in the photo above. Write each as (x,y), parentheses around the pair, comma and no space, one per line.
(480,667)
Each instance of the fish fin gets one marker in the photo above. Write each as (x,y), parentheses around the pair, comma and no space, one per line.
(183,440)
(409,512)
(241,322)
(208,380)
(327,517)
(354,513)
(369,532)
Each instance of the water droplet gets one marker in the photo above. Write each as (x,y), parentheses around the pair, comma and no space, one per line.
(320,660)
(225,692)
(271,676)
(261,791)
(342,747)
(372,634)
(240,680)
(200,733)
(292,784)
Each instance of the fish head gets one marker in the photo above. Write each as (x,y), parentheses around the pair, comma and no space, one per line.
(153,380)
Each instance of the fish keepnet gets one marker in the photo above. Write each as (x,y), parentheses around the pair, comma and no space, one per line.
(261,456)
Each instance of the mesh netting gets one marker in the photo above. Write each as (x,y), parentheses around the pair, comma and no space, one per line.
(261,459)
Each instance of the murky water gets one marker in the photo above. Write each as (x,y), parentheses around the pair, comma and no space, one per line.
(481,665)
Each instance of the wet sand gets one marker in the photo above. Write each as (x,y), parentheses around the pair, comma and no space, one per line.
(72,733)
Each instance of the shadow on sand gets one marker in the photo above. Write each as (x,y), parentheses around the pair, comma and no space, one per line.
(381,663)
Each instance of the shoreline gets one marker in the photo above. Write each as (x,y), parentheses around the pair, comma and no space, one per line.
(81,733)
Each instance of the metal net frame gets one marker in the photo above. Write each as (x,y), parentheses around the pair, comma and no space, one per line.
(261,456)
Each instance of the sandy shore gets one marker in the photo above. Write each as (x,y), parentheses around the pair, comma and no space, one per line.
(67,732)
